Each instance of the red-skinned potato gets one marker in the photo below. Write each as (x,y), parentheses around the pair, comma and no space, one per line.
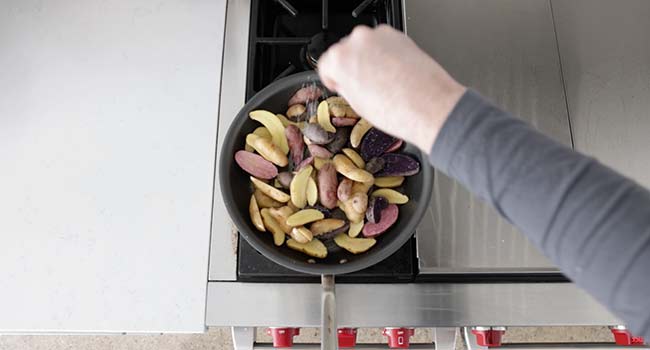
(388,218)
(344,190)
(344,121)
(256,165)
(296,146)
(327,186)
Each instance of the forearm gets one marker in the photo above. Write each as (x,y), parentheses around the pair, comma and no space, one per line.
(592,222)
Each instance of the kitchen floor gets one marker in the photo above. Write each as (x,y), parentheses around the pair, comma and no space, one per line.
(219,338)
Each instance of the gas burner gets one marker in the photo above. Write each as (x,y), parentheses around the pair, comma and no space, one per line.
(317,45)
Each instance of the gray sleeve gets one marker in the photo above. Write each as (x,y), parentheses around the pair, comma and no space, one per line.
(592,222)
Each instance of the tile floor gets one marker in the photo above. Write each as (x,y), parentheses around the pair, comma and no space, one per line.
(219,339)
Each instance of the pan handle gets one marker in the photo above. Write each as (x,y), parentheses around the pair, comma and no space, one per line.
(329,338)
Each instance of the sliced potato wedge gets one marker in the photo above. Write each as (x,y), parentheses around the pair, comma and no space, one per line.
(267,149)
(264,201)
(389,181)
(256,217)
(323,115)
(285,121)
(319,162)
(312,191)
(301,234)
(326,225)
(281,215)
(355,157)
(270,190)
(362,187)
(275,127)
(349,211)
(298,187)
(304,216)
(273,226)
(391,195)
(344,165)
(355,228)
(314,248)
(358,131)
(354,245)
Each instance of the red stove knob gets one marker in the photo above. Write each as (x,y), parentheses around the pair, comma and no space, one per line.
(282,337)
(488,337)
(398,338)
(347,337)
(623,337)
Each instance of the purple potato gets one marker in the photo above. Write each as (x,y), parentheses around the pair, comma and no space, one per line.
(375,206)
(397,164)
(375,164)
(341,139)
(375,143)
(316,134)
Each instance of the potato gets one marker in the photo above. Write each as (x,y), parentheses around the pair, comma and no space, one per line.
(323,115)
(304,216)
(337,106)
(319,151)
(350,213)
(273,226)
(301,234)
(261,132)
(388,218)
(355,228)
(305,162)
(312,191)
(298,187)
(267,149)
(256,165)
(254,212)
(281,215)
(314,248)
(319,162)
(389,181)
(275,127)
(296,110)
(344,190)
(264,201)
(391,195)
(286,122)
(362,187)
(343,121)
(327,186)
(354,157)
(359,202)
(359,129)
(326,225)
(305,94)
(270,190)
(344,165)
(354,245)
(296,146)
(285,178)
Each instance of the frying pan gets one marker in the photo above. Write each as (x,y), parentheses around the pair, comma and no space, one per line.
(235,190)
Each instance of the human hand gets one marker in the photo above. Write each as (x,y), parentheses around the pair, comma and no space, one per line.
(391,82)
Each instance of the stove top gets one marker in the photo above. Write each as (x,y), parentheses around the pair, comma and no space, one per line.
(288,37)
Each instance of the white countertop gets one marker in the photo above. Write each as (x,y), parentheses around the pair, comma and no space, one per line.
(108,123)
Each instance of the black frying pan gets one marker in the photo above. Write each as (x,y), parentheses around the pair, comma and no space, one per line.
(235,190)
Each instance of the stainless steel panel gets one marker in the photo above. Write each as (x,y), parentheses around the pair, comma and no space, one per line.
(223,243)
(416,305)
(605,52)
(506,49)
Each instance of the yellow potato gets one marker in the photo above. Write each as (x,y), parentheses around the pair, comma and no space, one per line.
(350,213)
(275,127)
(254,212)
(306,140)
(389,181)
(338,106)
(359,202)
(323,116)
(298,187)
(261,132)
(267,149)
(295,110)
(354,245)
(344,165)
(264,201)
(301,234)
(286,122)
(355,228)
(392,196)
(304,216)
(312,190)
(281,215)
(273,226)
(354,157)
(270,190)
(362,187)
(314,248)
(326,225)
(359,129)
(319,162)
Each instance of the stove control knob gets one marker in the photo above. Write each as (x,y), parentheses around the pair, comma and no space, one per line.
(347,337)
(488,336)
(398,338)
(623,337)
(282,336)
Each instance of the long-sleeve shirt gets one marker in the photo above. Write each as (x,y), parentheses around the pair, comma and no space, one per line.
(592,222)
